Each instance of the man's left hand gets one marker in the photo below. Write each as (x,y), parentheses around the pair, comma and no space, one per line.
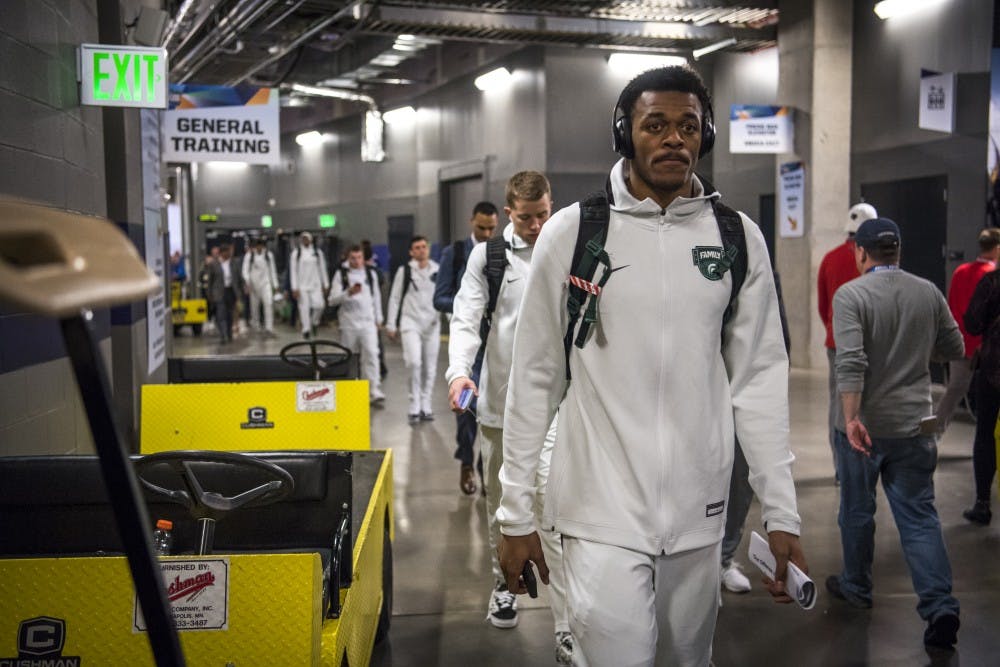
(785,547)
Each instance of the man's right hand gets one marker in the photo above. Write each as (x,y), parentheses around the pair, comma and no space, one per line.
(455,392)
(514,552)
(354,289)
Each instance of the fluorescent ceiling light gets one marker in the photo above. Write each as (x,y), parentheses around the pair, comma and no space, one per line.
(310,138)
(407,38)
(400,115)
(889,8)
(698,53)
(636,63)
(495,79)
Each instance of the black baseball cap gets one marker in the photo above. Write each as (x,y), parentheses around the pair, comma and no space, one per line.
(877,232)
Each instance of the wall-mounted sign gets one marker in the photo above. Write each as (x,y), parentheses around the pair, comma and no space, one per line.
(760,129)
(122,76)
(219,123)
(791,203)
(327,220)
(266,221)
(937,101)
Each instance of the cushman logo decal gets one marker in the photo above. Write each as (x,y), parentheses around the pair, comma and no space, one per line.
(712,261)
(257,418)
(40,642)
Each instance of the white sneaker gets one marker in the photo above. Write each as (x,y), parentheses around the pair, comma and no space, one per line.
(733,579)
(503,608)
(564,648)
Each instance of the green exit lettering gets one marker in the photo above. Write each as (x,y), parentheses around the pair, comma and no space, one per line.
(133,76)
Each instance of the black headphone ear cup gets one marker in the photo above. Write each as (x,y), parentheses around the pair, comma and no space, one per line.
(707,137)
(621,132)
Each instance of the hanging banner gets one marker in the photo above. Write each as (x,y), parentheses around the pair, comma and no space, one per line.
(218,123)
(993,148)
(791,203)
(760,129)
(937,101)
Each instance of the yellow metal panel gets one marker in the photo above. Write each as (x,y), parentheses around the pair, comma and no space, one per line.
(273,616)
(217,416)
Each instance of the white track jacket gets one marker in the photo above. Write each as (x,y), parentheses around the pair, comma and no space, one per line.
(645,444)
(418,312)
(463,337)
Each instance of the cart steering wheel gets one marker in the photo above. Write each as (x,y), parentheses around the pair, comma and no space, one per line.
(318,360)
(209,504)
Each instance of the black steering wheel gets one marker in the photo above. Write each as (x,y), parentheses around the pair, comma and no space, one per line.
(209,504)
(318,360)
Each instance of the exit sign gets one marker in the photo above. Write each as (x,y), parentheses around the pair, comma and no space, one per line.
(123,76)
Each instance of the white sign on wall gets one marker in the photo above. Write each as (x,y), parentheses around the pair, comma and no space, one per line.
(791,202)
(755,128)
(937,101)
(218,123)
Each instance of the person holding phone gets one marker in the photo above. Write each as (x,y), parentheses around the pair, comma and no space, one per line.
(360,316)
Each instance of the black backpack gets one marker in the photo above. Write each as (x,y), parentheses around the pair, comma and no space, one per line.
(595,213)
(368,272)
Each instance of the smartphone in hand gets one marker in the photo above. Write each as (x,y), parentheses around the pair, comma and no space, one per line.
(465,398)
(530,582)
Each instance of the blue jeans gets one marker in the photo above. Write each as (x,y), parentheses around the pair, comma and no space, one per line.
(906,466)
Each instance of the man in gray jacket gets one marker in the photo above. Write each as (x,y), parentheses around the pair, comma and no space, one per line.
(889,325)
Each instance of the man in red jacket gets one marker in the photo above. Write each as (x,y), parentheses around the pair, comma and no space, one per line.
(963,283)
(838,267)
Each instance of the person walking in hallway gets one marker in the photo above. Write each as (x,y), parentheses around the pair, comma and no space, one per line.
(261,279)
(453,259)
(650,393)
(356,291)
(888,325)
(309,282)
(963,284)
(412,317)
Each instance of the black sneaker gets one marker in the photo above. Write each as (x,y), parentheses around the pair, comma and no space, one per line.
(833,587)
(942,632)
(305,334)
(426,417)
(503,608)
(979,513)
(412,419)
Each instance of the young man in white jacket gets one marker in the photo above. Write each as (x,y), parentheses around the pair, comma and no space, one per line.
(360,316)
(261,278)
(309,281)
(641,466)
(412,317)
(529,205)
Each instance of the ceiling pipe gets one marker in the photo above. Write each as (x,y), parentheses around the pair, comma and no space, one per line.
(354,9)
(239,18)
(338,93)
(176,23)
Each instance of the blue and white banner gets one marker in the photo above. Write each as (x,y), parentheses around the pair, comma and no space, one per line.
(219,123)
(791,200)
(760,129)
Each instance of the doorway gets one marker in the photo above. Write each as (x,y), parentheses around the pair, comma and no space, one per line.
(458,198)
(400,233)
(920,207)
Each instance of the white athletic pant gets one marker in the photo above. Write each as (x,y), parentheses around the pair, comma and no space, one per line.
(631,609)
(491,448)
(365,342)
(420,353)
(311,306)
(262,296)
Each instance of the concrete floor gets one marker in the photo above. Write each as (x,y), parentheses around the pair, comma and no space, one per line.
(442,573)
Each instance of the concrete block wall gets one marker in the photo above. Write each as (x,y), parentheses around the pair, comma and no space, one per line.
(51,151)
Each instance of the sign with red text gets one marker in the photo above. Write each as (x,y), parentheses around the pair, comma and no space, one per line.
(198,591)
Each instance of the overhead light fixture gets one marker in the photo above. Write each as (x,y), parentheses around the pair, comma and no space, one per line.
(889,8)
(636,63)
(495,79)
(705,50)
(406,38)
(310,138)
(400,115)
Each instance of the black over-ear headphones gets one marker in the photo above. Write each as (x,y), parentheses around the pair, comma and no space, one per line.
(621,131)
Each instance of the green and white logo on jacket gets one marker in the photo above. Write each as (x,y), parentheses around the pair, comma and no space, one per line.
(712,261)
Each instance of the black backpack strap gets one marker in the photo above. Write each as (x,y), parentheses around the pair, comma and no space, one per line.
(407,279)
(595,214)
(496,265)
(734,246)
(343,278)
(370,271)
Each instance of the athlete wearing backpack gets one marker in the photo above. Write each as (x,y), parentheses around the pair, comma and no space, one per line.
(261,279)
(309,281)
(665,367)
(355,290)
(412,317)
(453,258)
(483,322)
